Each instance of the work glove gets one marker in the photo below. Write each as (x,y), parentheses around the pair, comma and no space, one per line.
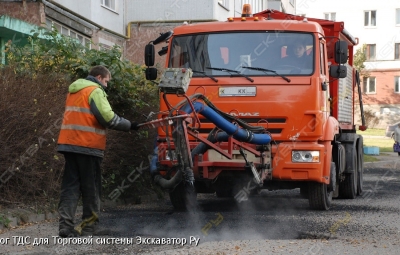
(134,125)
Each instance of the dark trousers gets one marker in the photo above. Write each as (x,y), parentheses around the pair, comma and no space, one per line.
(82,176)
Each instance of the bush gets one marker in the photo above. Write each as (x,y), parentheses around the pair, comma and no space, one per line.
(33,87)
(370,119)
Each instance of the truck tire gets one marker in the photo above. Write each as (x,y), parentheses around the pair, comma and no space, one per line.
(184,197)
(319,197)
(348,186)
(360,166)
(223,187)
(304,192)
(224,193)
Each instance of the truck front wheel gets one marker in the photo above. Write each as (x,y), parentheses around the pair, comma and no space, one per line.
(319,194)
(184,197)
(319,197)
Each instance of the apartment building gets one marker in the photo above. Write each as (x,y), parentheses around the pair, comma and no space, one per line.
(94,23)
(146,19)
(377,25)
(130,24)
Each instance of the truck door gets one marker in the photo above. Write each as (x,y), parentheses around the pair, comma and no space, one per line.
(324,81)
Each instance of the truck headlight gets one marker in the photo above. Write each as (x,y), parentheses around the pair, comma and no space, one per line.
(305,156)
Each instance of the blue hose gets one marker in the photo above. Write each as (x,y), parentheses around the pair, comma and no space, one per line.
(153,161)
(238,133)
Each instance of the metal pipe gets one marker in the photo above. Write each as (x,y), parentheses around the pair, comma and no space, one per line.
(171,183)
(351,38)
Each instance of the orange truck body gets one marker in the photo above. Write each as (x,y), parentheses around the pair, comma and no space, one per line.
(312,112)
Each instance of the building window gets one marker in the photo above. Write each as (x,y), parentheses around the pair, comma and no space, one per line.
(369,85)
(397,16)
(397,51)
(224,3)
(397,84)
(110,4)
(330,16)
(370,52)
(51,24)
(370,18)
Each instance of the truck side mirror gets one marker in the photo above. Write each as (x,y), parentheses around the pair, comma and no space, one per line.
(341,52)
(151,73)
(163,37)
(149,55)
(338,71)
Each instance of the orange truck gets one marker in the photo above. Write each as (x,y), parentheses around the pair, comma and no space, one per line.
(262,101)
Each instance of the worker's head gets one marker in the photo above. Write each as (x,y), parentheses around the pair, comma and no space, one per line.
(297,49)
(101,73)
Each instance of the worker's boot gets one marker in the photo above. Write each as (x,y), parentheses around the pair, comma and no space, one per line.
(65,232)
(95,230)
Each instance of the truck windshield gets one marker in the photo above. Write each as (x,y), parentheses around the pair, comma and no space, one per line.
(286,53)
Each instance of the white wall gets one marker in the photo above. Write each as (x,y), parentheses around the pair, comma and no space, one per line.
(83,8)
(156,10)
(261,5)
(384,35)
(162,10)
(290,6)
(94,11)
(165,10)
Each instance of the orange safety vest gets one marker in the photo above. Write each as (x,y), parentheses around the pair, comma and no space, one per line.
(80,127)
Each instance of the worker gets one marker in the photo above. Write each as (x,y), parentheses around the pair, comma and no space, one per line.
(297,56)
(396,137)
(82,141)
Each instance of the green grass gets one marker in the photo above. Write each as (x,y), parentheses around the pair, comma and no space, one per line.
(4,221)
(372,131)
(369,158)
(384,144)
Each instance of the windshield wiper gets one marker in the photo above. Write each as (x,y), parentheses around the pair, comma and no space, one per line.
(230,71)
(203,73)
(267,70)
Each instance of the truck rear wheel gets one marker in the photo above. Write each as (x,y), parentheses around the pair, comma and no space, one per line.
(360,166)
(184,197)
(348,186)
